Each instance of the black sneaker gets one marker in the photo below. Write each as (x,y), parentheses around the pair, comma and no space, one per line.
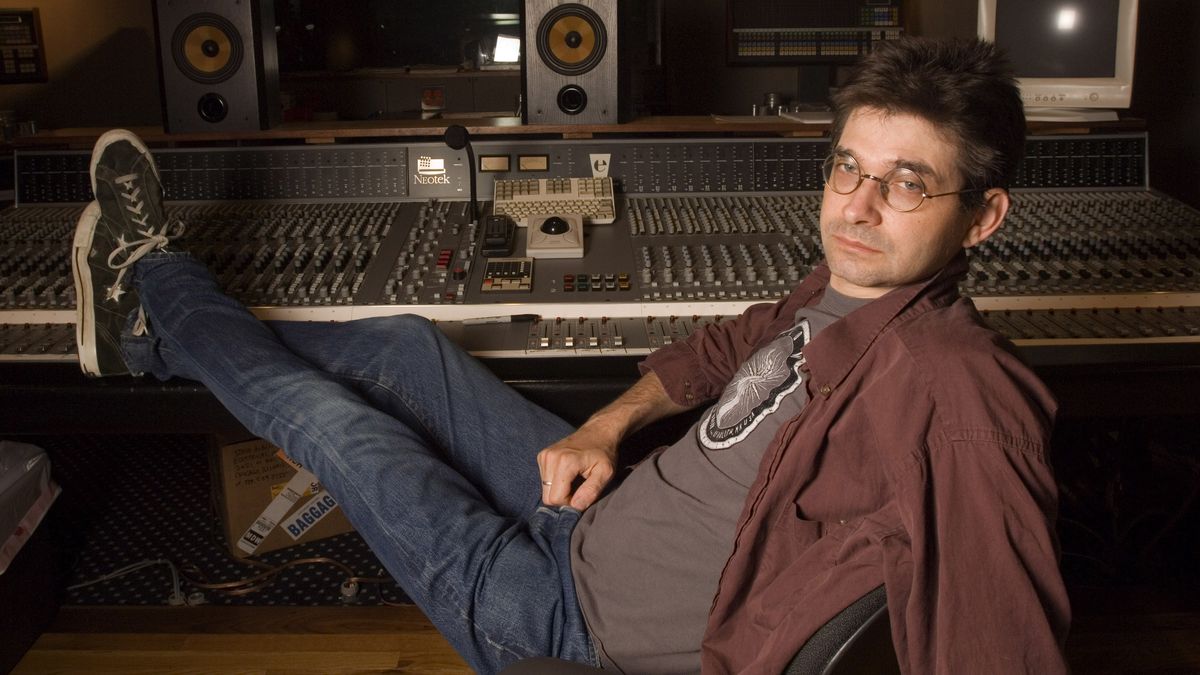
(126,222)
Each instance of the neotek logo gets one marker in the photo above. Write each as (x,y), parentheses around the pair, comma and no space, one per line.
(431,171)
(431,166)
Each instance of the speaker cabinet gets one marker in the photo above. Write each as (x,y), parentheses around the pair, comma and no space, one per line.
(218,64)
(571,54)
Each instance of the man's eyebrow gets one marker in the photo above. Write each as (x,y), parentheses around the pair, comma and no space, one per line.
(915,165)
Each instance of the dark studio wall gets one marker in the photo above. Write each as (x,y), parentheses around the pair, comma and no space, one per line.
(1166,93)
(101,61)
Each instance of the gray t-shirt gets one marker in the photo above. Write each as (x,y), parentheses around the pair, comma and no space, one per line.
(646,559)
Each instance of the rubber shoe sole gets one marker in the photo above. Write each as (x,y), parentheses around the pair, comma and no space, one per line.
(128,206)
(98,324)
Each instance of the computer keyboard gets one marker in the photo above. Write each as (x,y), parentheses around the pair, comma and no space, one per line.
(591,198)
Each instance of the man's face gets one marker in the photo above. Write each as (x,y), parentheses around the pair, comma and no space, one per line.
(872,248)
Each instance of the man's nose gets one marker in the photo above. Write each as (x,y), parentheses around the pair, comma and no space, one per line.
(866,202)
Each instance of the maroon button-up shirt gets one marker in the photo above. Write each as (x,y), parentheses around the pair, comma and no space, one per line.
(920,462)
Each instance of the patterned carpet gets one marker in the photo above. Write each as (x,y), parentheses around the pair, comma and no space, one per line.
(130,503)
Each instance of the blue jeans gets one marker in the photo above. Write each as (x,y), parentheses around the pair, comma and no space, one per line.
(432,458)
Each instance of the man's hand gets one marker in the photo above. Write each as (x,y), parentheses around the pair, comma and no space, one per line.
(588,454)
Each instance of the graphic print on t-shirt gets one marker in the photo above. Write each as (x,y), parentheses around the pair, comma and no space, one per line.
(756,390)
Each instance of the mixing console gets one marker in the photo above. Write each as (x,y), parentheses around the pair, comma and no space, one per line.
(1089,254)
(35,272)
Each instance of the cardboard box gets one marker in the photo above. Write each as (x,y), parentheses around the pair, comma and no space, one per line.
(268,502)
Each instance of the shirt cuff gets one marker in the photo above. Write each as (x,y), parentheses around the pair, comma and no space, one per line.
(680,373)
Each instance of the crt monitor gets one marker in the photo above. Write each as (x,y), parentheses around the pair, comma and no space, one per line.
(499,51)
(508,49)
(1073,58)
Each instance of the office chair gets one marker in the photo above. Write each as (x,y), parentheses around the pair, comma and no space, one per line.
(858,641)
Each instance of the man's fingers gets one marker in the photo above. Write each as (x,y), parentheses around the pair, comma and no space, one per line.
(585,496)
(556,488)
(557,469)
(560,468)
(590,490)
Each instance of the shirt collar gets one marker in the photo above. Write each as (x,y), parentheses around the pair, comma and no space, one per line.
(833,353)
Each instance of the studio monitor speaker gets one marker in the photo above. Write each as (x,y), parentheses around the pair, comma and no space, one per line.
(218,64)
(571,54)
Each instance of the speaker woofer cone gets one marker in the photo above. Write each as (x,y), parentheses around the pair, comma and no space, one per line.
(571,39)
(207,48)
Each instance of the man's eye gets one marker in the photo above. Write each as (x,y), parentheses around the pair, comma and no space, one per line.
(906,181)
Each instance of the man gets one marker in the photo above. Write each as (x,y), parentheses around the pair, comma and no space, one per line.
(868,429)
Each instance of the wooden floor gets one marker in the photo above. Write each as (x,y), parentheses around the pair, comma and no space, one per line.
(333,640)
(243,640)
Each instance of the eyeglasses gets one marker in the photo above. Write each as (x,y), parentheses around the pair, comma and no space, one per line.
(901,188)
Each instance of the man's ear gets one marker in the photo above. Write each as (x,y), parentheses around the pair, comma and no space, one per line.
(987,219)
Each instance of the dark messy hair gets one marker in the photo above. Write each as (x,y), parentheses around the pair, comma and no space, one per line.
(964,88)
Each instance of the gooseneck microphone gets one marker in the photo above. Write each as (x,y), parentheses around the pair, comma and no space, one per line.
(458,138)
